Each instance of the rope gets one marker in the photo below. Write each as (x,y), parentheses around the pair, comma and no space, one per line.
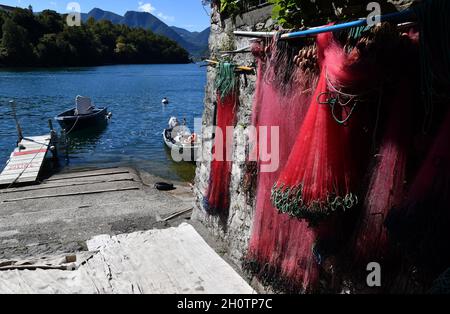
(73,127)
(33,141)
(332,101)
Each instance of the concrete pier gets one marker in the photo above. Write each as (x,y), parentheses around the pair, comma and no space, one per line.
(64,211)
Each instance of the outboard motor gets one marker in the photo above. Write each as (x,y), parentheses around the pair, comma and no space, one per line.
(173,123)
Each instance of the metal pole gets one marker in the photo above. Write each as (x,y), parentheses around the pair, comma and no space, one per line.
(19,129)
(357,23)
(329,28)
(50,125)
(254,34)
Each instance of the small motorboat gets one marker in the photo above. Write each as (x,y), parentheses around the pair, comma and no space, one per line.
(84,116)
(179,139)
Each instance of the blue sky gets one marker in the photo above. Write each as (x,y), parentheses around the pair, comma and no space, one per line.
(187,14)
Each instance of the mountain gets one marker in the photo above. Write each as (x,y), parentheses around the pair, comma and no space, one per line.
(196,43)
(99,14)
(6,8)
(198,38)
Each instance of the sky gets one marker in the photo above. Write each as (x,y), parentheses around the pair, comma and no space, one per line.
(188,14)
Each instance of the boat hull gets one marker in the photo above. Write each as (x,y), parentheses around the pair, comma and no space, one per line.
(190,152)
(71,123)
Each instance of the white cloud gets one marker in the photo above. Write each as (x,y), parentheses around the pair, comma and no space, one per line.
(146,7)
(53,3)
(166,17)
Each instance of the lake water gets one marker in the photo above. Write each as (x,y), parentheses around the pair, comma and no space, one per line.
(132,93)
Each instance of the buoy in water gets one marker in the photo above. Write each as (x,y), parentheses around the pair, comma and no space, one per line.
(165,101)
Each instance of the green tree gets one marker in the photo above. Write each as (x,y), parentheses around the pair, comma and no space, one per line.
(2,20)
(27,20)
(15,47)
(45,40)
(50,21)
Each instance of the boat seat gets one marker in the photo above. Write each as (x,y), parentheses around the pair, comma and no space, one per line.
(83,105)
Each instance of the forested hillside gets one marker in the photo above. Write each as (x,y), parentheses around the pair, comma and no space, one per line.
(195,43)
(45,39)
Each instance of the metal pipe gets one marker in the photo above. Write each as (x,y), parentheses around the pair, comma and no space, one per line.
(241,50)
(242,68)
(329,28)
(357,23)
(19,129)
(254,34)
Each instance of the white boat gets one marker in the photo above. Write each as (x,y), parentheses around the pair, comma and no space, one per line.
(180,140)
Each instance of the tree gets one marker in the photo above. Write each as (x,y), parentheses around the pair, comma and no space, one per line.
(45,40)
(16,49)
(50,21)
(27,20)
(48,51)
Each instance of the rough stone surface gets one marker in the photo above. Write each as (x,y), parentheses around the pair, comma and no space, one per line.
(60,214)
(235,231)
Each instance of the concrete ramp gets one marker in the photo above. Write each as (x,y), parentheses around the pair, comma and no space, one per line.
(170,261)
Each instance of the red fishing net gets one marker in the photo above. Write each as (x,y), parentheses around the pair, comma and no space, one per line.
(280,250)
(387,180)
(217,199)
(319,177)
(422,223)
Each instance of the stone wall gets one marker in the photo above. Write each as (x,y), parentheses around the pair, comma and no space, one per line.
(235,230)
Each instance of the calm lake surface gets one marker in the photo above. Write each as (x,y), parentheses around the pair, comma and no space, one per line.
(132,93)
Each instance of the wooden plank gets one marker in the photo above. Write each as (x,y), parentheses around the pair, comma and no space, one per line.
(23,179)
(26,160)
(170,261)
(17,168)
(13,176)
(177,214)
(24,157)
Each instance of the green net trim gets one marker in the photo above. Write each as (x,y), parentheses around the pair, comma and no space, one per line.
(289,200)
(226,80)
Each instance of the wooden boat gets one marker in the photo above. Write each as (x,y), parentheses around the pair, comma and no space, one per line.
(184,143)
(71,122)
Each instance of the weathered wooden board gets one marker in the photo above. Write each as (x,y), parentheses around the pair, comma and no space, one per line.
(26,160)
(170,261)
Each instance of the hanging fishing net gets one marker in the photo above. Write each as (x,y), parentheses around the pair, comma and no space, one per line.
(217,199)
(281,248)
(421,224)
(319,177)
(395,113)
(387,180)
(434,29)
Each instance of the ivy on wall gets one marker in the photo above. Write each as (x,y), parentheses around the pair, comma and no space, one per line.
(308,13)
(305,13)
(232,8)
